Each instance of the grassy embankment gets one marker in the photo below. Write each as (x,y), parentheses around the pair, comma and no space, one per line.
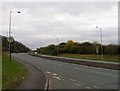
(112,58)
(13,72)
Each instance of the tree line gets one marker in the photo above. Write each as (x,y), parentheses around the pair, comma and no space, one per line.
(72,47)
(15,46)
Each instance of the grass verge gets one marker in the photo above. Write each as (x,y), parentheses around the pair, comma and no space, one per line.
(13,73)
(110,58)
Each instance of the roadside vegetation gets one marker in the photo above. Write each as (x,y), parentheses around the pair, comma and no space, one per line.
(13,73)
(15,46)
(113,58)
(85,50)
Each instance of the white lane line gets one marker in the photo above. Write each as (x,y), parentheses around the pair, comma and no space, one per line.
(94,86)
(77,84)
(82,83)
(95,71)
(48,72)
(57,77)
(87,87)
(73,80)
(54,74)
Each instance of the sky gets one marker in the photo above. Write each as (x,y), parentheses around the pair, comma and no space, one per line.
(40,23)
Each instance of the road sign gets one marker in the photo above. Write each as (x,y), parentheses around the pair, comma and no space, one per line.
(10,39)
(97,50)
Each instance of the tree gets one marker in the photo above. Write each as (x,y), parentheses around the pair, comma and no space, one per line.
(43,50)
(15,46)
(61,47)
(68,45)
(79,48)
(51,49)
(74,48)
(111,49)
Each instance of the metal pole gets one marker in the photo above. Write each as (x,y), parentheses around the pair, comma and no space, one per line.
(57,45)
(101,44)
(9,36)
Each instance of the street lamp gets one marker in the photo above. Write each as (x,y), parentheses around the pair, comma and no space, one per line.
(101,42)
(57,45)
(9,37)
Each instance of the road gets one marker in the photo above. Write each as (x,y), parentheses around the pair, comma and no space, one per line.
(72,76)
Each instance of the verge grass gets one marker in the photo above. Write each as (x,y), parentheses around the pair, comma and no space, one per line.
(13,72)
(111,58)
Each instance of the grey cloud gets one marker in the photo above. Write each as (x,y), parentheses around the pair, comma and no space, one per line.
(38,22)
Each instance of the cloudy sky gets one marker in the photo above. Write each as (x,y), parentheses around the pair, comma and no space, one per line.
(39,24)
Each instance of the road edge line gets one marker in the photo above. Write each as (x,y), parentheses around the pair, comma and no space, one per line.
(47,80)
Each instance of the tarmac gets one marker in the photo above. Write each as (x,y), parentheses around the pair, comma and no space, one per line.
(35,78)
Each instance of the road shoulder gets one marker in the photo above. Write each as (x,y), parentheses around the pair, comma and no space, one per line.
(35,78)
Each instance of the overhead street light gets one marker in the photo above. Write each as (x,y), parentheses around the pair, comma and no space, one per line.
(101,42)
(9,37)
(18,12)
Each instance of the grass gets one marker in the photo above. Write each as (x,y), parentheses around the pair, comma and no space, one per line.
(13,72)
(0,72)
(112,58)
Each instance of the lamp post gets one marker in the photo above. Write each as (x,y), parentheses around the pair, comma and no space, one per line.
(10,40)
(101,42)
(57,45)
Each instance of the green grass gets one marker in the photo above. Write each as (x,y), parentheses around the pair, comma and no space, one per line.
(12,72)
(112,58)
(0,72)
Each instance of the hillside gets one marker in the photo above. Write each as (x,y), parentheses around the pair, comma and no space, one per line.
(15,46)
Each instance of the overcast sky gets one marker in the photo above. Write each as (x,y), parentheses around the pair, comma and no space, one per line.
(39,24)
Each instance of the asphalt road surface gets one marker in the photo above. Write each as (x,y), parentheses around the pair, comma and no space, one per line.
(72,76)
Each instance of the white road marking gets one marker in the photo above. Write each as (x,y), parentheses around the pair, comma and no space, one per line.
(72,79)
(94,86)
(77,84)
(57,77)
(87,87)
(48,72)
(82,83)
(54,74)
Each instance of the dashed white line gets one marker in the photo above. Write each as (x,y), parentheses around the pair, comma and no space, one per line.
(77,81)
(54,74)
(48,72)
(72,79)
(82,83)
(77,84)
(57,77)
(94,86)
(87,87)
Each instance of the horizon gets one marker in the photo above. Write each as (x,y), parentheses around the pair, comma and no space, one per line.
(92,42)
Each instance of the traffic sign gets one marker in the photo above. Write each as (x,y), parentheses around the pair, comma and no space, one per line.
(97,50)
(10,39)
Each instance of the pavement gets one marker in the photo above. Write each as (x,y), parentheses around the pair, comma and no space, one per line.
(63,75)
(35,78)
